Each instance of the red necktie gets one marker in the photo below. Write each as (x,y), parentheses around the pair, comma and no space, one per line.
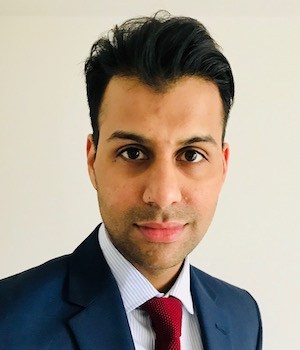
(166,315)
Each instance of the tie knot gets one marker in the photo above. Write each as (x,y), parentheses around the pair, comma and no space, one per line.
(166,315)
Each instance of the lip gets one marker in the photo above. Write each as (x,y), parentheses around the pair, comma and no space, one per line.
(165,232)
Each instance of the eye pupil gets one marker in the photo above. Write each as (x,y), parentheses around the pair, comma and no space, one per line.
(133,153)
(190,155)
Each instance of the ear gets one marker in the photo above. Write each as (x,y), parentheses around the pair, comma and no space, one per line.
(91,156)
(226,152)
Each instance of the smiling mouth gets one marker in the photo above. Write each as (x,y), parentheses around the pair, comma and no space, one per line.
(161,232)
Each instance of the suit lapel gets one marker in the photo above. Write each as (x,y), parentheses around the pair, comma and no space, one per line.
(102,323)
(213,321)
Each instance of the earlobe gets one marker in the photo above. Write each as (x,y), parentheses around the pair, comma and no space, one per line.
(226,152)
(91,155)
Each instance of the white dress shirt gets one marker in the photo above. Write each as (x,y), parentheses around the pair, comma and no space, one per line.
(135,290)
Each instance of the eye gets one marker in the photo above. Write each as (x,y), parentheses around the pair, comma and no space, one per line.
(133,153)
(191,155)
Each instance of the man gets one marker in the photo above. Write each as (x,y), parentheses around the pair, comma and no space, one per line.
(159,92)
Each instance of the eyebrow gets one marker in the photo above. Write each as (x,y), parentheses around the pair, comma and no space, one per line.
(143,140)
(196,139)
(128,136)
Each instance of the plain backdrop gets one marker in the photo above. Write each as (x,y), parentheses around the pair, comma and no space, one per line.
(47,203)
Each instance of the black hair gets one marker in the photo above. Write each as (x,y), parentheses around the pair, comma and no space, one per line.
(158,51)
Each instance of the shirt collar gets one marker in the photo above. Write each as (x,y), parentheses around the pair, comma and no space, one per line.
(135,289)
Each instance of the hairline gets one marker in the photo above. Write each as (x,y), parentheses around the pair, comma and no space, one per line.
(163,87)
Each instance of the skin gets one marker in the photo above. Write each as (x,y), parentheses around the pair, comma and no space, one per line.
(158,170)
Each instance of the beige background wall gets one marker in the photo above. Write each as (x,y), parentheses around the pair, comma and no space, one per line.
(47,204)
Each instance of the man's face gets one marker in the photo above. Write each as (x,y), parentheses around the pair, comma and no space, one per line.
(158,169)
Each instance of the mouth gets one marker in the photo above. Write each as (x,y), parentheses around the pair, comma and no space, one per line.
(166,232)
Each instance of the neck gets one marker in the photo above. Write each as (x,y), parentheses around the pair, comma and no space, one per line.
(162,280)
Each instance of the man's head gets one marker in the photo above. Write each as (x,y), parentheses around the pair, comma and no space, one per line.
(158,51)
(161,91)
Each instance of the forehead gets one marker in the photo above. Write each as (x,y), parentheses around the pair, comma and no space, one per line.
(188,103)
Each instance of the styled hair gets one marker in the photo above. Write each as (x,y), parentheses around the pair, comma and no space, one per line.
(158,51)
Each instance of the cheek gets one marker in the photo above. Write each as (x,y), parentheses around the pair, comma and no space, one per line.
(116,196)
(203,197)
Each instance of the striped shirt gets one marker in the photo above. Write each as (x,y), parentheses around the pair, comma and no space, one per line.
(135,290)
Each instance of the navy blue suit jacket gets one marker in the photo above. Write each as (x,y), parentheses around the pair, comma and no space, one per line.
(73,302)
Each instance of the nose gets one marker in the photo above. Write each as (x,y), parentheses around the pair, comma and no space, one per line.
(163,186)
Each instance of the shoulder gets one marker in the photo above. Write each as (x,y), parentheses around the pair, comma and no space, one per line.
(33,305)
(43,271)
(48,279)
(232,309)
(37,285)
(232,299)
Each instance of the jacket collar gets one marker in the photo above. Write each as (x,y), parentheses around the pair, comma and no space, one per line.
(212,319)
(102,323)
